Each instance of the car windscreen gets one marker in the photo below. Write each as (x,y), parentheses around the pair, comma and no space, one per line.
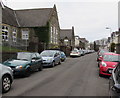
(62,53)
(22,56)
(47,54)
(112,58)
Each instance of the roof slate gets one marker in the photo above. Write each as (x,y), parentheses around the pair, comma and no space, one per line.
(66,33)
(33,17)
(27,17)
(8,17)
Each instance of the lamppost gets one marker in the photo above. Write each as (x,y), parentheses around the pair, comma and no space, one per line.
(109,29)
(110,38)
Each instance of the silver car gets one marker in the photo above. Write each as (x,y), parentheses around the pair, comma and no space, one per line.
(50,57)
(6,78)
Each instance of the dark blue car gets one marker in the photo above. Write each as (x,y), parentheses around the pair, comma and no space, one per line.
(63,56)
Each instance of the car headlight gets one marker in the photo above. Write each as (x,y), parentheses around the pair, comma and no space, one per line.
(113,65)
(19,67)
(104,64)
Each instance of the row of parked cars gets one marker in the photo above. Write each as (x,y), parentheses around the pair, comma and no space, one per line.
(78,53)
(23,63)
(109,65)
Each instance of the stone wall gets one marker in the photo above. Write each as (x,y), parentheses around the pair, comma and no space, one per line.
(6,55)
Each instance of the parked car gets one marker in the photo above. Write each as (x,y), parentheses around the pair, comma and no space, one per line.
(25,62)
(6,77)
(114,83)
(62,56)
(101,58)
(85,51)
(75,53)
(82,52)
(100,54)
(109,61)
(50,57)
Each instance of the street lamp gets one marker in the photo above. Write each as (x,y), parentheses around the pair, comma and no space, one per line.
(109,29)
(110,38)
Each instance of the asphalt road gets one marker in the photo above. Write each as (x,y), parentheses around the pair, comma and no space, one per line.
(74,77)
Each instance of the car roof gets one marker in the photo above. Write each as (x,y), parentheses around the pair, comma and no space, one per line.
(110,53)
(49,51)
(27,52)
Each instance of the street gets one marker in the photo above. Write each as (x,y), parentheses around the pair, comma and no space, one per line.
(74,77)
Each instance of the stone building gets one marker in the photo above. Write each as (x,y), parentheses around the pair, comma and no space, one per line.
(30,29)
(67,40)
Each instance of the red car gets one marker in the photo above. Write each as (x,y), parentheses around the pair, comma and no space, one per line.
(108,62)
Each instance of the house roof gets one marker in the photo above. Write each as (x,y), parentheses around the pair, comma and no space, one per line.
(33,17)
(83,40)
(26,18)
(8,17)
(66,33)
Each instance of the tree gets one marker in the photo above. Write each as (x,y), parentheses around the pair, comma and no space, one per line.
(112,47)
(94,45)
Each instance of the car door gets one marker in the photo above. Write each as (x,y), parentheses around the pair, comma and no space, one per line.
(115,79)
(33,61)
(59,57)
(55,58)
(38,60)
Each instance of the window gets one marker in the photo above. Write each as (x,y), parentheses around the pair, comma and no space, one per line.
(2,27)
(54,35)
(34,56)
(38,55)
(25,35)
(66,41)
(5,33)
(51,34)
(56,39)
(14,35)
(56,55)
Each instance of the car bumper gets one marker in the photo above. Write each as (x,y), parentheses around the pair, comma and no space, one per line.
(19,72)
(47,64)
(74,55)
(105,70)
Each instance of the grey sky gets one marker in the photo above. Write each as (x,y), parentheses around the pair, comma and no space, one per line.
(89,17)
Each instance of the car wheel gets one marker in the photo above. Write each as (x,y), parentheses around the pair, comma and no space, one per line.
(53,64)
(28,72)
(6,83)
(40,68)
(98,65)
(63,60)
(59,62)
(100,74)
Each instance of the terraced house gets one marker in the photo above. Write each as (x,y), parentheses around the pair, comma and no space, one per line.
(30,29)
(67,40)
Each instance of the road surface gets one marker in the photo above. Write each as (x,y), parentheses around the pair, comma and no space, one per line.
(74,77)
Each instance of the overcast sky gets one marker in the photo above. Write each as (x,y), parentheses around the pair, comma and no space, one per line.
(89,17)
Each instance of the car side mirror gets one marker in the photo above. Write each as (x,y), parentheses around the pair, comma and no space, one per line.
(33,60)
(116,88)
(100,58)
